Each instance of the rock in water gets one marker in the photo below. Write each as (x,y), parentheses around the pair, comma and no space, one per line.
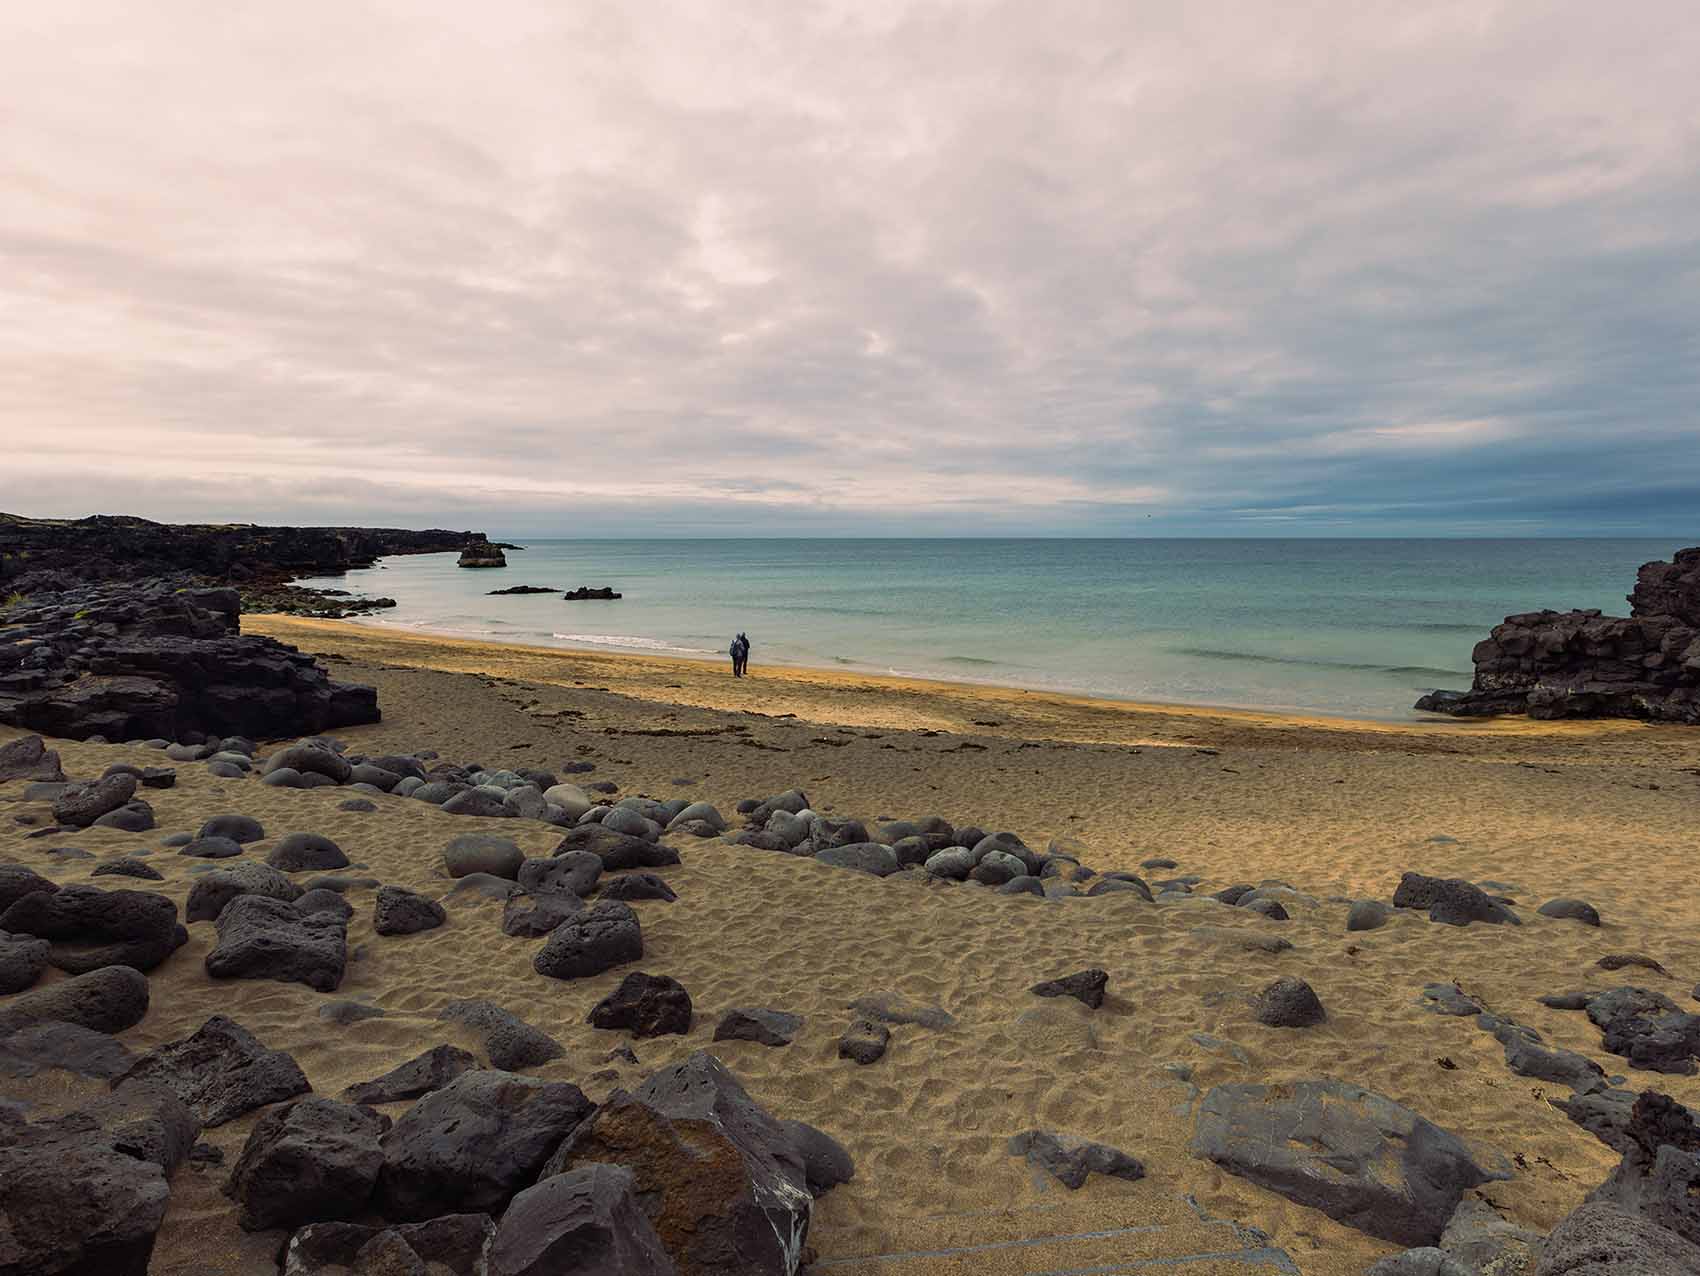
(221,1072)
(586,1222)
(475,1143)
(312,1161)
(722,1181)
(1357,1156)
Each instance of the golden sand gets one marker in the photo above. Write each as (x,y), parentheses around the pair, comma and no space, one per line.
(1609,812)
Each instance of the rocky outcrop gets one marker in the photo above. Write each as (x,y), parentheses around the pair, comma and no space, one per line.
(481,553)
(160,658)
(585,594)
(1583,664)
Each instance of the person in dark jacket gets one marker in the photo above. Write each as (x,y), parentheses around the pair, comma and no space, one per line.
(740,655)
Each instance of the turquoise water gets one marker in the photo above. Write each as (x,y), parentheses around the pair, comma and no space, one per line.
(1356,628)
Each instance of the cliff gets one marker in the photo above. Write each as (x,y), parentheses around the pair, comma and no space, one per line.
(1583,664)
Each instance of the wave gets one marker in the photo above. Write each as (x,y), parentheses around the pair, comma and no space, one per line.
(1260,658)
(632,642)
(967,660)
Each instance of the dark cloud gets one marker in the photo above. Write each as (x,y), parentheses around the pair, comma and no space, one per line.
(1338,267)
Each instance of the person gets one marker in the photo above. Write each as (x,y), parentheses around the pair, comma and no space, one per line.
(740,654)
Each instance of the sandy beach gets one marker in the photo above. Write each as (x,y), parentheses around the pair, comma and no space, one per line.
(1605,811)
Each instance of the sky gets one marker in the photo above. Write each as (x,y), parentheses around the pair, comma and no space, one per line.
(1324,267)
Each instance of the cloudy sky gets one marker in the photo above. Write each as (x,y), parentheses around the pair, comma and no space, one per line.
(1316,267)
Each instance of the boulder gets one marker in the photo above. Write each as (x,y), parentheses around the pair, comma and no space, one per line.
(126,867)
(1367,914)
(83,804)
(400,912)
(28,758)
(264,938)
(602,937)
(89,928)
(644,1005)
(420,1075)
(1573,909)
(826,1164)
(475,1143)
(1288,1002)
(22,959)
(721,1180)
(306,852)
(997,867)
(509,1041)
(953,863)
(310,1161)
(699,812)
(221,1071)
(765,1027)
(209,895)
(211,848)
(451,1245)
(586,1222)
(568,873)
(483,853)
(16,881)
(630,886)
(109,999)
(864,1041)
(1069,1159)
(1359,1157)
(863,857)
(1085,986)
(241,829)
(310,759)
(529,916)
(617,850)
(1599,1239)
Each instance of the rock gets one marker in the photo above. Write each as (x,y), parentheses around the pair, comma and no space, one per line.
(361,806)
(264,938)
(16,881)
(474,1143)
(1069,1159)
(481,886)
(211,848)
(1643,1026)
(586,1222)
(1360,1158)
(89,928)
(1106,885)
(721,1181)
(339,883)
(1268,908)
(1086,987)
(310,759)
(478,801)
(81,805)
(1525,1056)
(864,1041)
(1599,1239)
(1427,1261)
(22,959)
(208,896)
(760,839)
(452,1245)
(509,1041)
(324,901)
(241,829)
(892,1007)
(604,936)
(221,1071)
(311,1161)
(617,850)
(128,868)
(825,1162)
(483,853)
(1479,1240)
(529,916)
(699,812)
(135,816)
(1619,961)
(953,863)
(343,1013)
(1449,999)
(1367,914)
(400,912)
(1573,909)
(82,1051)
(1288,1002)
(109,999)
(765,1027)
(306,852)
(627,821)
(28,758)
(1661,1166)
(863,857)
(644,1005)
(420,1075)
(997,867)
(571,873)
(630,886)
(284,778)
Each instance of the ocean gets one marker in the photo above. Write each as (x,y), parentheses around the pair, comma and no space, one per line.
(1349,628)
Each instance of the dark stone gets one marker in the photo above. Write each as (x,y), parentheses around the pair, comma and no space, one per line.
(1085,986)
(16,881)
(264,938)
(314,1160)
(1620,961)
(209,895)
(211,848)
(529,916)
(1527,1057)
(109,999)
(826,1163)
(310,759)
(221,1071)
(1069,1159)
(135,816)
(891,1007)
(510,1042)
(604,936)
(1647,1028)
(22,959)
(241,829)
(128,868)
(90,928)
(765,1027)
(1367,914)
(1574,909)
(586,1222)
(1232,894)
(454,1244)
(1659,1176)
(617,850)
(324,901)
(721,1180)
(400,912)
(474,1143)
(630,886)
(28,758)
(568,873)
(1288,1002)
(1107,885)
(864,1041)
(1449,999)
(343,1013)
(644,1005)
(361,806)
(306,852)
(81,805)
(420,1075)
(1360,1158)
(67,1046)
(1599,1239)
(483,853)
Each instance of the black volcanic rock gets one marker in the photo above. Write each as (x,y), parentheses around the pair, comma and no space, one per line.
(1582,664)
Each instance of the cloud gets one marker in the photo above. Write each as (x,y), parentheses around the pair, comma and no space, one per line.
(957,268)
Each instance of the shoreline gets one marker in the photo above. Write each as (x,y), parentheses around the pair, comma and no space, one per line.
(853,698)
